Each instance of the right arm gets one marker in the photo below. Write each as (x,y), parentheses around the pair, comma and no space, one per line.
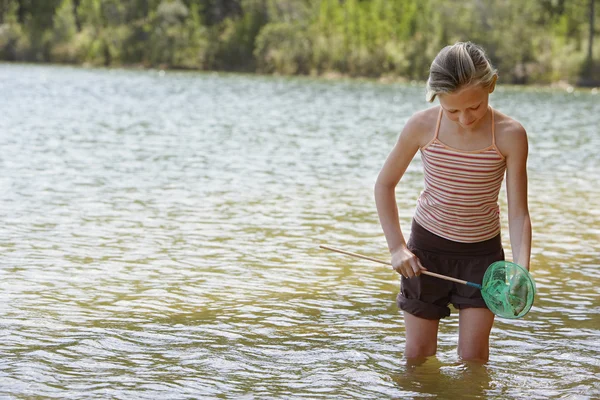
(403,261)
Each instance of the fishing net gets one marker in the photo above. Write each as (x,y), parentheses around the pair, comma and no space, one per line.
(508,289)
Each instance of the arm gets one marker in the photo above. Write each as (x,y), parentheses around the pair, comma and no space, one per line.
(403,261)
(519,222)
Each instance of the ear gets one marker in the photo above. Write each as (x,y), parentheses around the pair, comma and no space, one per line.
(493,84)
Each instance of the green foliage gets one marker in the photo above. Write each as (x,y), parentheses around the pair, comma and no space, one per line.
(90,13)
(63,33)
(283,48)
(528,41)
(237,36)
(12,40)
(177,38)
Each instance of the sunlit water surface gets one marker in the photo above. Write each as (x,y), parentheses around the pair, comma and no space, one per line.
(160,240)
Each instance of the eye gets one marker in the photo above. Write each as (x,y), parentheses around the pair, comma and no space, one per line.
(476,107)
(453,111)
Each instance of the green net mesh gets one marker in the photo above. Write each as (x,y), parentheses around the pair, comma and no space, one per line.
(508,289)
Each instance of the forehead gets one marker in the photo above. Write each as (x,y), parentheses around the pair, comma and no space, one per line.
(464,98)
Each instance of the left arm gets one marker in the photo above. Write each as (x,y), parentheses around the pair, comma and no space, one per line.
(519,222)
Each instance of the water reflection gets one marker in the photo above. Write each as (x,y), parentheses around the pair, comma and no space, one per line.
(160,240)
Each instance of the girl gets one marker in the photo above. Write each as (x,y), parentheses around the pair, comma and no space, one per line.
(466,149)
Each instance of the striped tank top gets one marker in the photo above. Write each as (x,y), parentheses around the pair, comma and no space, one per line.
(460,197)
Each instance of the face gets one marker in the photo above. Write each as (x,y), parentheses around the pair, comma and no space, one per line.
(467,106)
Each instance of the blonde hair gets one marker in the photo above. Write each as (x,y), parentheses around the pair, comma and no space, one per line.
(457,66)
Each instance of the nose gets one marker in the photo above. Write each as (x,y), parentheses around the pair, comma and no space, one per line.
(465,119)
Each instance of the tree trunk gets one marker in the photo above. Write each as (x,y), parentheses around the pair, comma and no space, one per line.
(589,73)
(591,41)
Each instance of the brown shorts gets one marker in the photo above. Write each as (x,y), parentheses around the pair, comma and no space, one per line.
(428,297)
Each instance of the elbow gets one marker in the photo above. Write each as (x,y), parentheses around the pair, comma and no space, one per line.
(383,189)
(379,187)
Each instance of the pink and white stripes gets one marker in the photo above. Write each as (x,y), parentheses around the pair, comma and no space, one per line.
(460,199)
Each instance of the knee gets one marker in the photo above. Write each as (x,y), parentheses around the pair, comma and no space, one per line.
(419,350)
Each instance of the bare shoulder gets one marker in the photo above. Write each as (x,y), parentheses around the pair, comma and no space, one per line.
(420,127)
(511,136)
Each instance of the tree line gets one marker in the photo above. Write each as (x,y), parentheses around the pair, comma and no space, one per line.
(533,41)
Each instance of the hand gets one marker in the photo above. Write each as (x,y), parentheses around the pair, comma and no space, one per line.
(517,294)
(406,263)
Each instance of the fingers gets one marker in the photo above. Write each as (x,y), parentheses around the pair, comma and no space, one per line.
(414,267)
(406,263)
(410,267)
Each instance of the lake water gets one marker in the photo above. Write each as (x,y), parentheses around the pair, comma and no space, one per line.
(160,237)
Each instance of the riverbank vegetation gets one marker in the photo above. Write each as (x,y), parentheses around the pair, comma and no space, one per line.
(536,41)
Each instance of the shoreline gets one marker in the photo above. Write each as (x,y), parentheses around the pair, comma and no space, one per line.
(326,76)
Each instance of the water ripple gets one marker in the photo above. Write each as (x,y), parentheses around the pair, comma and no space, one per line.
(160,240)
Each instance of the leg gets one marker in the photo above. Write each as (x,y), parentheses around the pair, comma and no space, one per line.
(474,327)
(421,336)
